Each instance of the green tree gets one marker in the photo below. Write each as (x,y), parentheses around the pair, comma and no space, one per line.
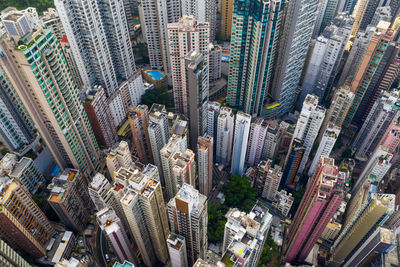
(216,222)
(41,5)
(156,95)
(239,193)
(298,195)
(269,253)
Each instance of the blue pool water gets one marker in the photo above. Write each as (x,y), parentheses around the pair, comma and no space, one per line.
(55,171)
(155,74)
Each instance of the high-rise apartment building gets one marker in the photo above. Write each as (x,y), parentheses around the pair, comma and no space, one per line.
(267,179)
(255,34)
(292,162)
(212,118)
(31,236)
(184,36)
(187,214)
(293,46)
(98,34)
(69,57)
(51,20)
(9,257)
(70,200)
(24,170)
(370,211)
(376,168)
(258,131)
(326,14)
(175,144)
(325,59)
(156,16)
(119,156)
(391,138)
(245,232)
(197,87)
(308,125)
(226,19)
(325,147)
(385,110)
(184,170)
(215,57)
(338,109)
(273,138)
(177,250)
(16,126)
(382,80)
(205,145)
(224,139)
(283,202)
(98,190)
(203,11)
(381,241)
(356,55)
(139,120)
(159,134)
(99,115)
(322,197)
(144,208)
(112,227)
(34,66)
(373,56)
(358,14)
(241,137)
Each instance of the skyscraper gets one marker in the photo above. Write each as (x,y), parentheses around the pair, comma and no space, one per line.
(203,11)
(119,156)
(156,16)
(184,36)
(254,42)
(187,215)
(10,257)
(139,120)
(245,232)
(175,144)
(144,208)
(307,127)
(70,199)
(99,115)
(326,14)
(292,162)
(325,147)
(226,18)
(293,46)
(241,136)
(197,87)
(158,134)
(258,131)
(371,210)
(98,34)
(338,109)
(224,140)
(205,145)
(385,110)
(111,225)
(177,250)
(267,179)
(51,99)
(212,118)
(325,59)
(31,236)
(358,14)
(322,197)
(382,80)
(184,170)
(376,49)
(16,127)
(24,170)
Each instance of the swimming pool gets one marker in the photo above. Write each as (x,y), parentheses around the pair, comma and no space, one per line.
(155,74)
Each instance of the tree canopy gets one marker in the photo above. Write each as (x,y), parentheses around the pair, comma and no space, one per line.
(41,5)
(216,222)
(156,95)
(239,193)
